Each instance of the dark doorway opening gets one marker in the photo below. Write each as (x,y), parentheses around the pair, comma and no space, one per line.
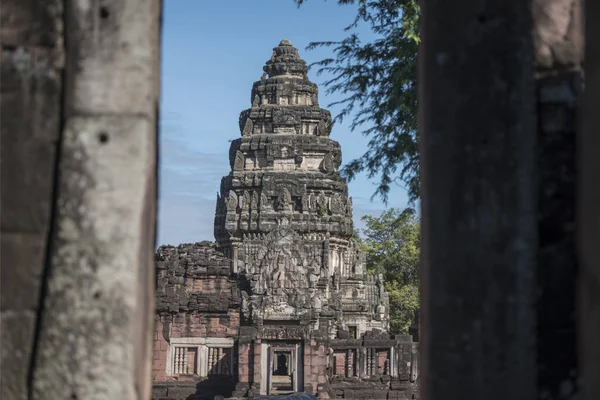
(282,381)
(282,364)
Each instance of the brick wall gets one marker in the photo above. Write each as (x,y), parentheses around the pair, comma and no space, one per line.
(195,298)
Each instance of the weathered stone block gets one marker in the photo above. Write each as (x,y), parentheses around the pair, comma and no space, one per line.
(16,344)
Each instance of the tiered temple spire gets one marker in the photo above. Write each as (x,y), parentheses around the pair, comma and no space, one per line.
(283,213)
(285,167)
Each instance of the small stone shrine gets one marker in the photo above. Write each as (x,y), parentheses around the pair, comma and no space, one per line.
(282,302)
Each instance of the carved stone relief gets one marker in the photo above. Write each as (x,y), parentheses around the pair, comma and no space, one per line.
(245,204)
(328,164)
(312,202)
(305,203)
(238,164)
(264,201)
(254,201)
(282,269)
(232,201)
(248,127)
(337,207)
(245,306)
(284,117)
(323,128)
(284,200)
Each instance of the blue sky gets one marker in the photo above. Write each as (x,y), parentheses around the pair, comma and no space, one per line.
(212,53)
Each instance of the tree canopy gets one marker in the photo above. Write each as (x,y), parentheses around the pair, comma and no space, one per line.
(378,82)
(392,243)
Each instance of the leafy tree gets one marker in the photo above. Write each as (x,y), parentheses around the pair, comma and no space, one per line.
(378,79)
(392,243)
(404,304)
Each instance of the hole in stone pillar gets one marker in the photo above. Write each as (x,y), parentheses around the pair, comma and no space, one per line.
(104,13)
(103,137)
(97,295)
(74,396)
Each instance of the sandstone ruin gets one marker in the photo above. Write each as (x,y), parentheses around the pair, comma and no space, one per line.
(282,302)
(523,325)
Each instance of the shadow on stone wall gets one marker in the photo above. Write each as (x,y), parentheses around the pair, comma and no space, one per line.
(206,389)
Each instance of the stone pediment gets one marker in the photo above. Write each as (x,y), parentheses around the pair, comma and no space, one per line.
(282,270)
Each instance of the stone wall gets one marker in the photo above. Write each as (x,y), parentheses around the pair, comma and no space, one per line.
(362,369)
(195,298)
(194,278)
(198,303)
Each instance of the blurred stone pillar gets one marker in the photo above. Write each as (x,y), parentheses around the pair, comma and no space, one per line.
(557,67)
(479,194)
(31,96)
(588,216)
(482,98)
(80,89)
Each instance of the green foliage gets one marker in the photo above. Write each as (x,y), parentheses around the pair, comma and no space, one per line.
(404,302)
(392,243)
(322,210)
(378,79)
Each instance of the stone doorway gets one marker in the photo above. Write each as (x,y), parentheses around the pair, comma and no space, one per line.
(281,373)
(282,369)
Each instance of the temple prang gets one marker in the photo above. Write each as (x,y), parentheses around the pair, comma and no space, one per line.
(282,302)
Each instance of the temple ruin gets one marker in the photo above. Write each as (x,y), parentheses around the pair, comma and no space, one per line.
(282,301)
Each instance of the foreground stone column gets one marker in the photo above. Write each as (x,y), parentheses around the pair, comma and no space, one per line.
(588,216)
(557,66)
(79,103)
(478,137)
(31,94)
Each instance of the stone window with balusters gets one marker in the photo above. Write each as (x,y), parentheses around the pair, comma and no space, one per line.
(200,357)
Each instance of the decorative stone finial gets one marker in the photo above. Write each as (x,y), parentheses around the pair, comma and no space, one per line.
(285,61)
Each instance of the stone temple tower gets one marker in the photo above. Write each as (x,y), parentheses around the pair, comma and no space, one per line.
(283,215)
(282,301)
